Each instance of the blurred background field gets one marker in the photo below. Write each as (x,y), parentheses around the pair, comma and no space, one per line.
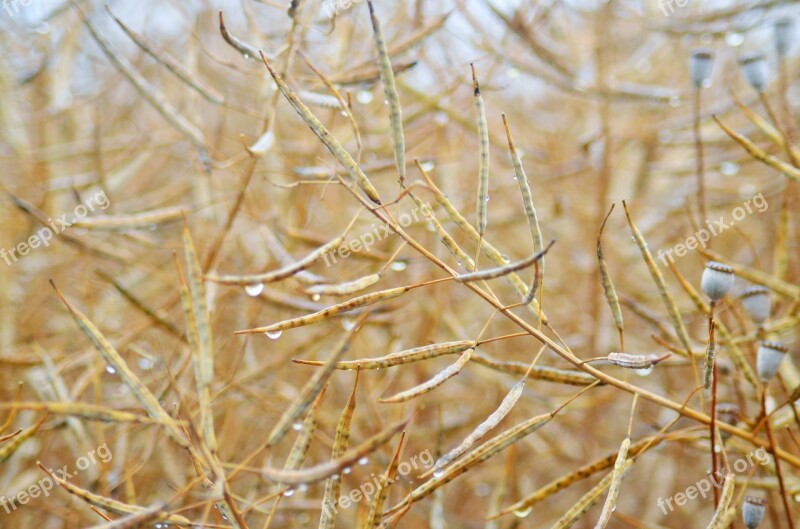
(600,102)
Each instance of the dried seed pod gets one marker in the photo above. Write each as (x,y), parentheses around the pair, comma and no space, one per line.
(483,428)
(753,510)
(658,279)
(247,51)
(784,31)
(755,70)
(483,168)
(390,92)
(725,497)
(613,489)
(769,358)
(701,62)
(756,303)
(717,280)
(710,360)
(343,289)
(608,284)
(630,361)
(324,135)
(499,271)
(442,377)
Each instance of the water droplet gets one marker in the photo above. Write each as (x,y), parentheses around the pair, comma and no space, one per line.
(717,449)
(273,335)
(398,266)
(440,118)
(297,426)
(438,473)
(302,487)
(363,461)
(427,166)
(343,113)
(315,297)
(245,56)
(288,492)
(254,289)
(346,470)
(348,324)
(644,372)
(110,370)
(729,168)
(746,191)
(523,513)
(364,97)
(145,363)
(385,101)
(734,38)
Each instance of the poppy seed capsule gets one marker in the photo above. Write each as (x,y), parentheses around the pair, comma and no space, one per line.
(755,71)
(784,29)
(700,63)
(756,303)
(768,359)
(753,510)
(717,280)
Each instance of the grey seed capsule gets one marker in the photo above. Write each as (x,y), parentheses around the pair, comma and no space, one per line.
(701,62)
(756,303)
(717,280)
(755,71)
(769,358)
(753,510)
(784,33)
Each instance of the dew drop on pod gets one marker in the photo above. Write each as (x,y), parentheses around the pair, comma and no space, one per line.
(756,303)
(769,358)
(717,280)
(754,67)
(701,62)
(753,510)
(784,31)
